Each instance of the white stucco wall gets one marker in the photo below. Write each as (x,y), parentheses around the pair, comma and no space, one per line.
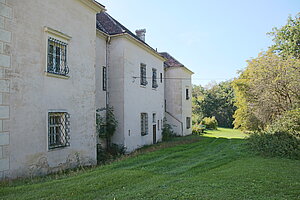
(178,79)
(141,99)
(33,93)
(128,98)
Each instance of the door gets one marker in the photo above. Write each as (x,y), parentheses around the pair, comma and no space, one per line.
(154,133)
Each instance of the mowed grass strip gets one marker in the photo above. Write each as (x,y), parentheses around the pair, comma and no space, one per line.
(207,168)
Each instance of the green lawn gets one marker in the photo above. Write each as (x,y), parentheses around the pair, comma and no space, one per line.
(225,133)
(204,168)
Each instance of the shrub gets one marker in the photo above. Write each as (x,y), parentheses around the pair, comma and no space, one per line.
(167,132)
(105,155)
(198,129)
(278,144)
(210,122)
(289,122)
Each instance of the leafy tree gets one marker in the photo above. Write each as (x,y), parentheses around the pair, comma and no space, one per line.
(287,38)
(268,87)
(218,101)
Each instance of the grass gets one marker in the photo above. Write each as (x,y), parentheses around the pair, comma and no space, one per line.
(225,133)
(193,167)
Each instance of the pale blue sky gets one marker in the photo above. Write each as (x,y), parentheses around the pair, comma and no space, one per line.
(213,38)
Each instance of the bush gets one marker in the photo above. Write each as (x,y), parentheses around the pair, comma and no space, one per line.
(106,155)
(210,122)
(289,122)
(278,144)
(167,132)
(198,129)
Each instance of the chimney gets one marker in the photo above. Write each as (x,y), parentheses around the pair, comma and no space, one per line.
(141,34)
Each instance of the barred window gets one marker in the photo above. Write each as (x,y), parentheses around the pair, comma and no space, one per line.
(58,129)
(144,124)
(188,122)
(143,75)
(57,57)
(187,95)
(154,78)
(104,76)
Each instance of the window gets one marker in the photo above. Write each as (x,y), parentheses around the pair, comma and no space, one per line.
(153,117)
(188,122)
(187,97)
(144,124)
(143,75)
(154,78)
(157,124)
(58,129)
(104,76)
(161,77)
(57,57)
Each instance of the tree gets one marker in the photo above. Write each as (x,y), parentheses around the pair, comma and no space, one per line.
(287,38)
(268,87)
(217,101)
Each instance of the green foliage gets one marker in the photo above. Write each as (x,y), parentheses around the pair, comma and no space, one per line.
(287,38)
(218,101)
(278,144)
(106,124)
(198,129)
(106,155)
(267,88)
(210,122)
(289,122)
(167,131)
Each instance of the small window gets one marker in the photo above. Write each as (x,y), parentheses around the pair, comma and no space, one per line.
(165,105)
(144,124)
(57,57)
(157,124)
(153,117)
(143,75)
(58,129)
(104,81)
(188,123)
(154,78)
(161,77)
(187,96)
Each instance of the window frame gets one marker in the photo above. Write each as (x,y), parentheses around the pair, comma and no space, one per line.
(144,124)
(62,39)
(63,126)
(104,78)
(143,74)
(188,122)
(154,78)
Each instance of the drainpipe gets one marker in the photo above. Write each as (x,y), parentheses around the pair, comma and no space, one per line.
(107,69)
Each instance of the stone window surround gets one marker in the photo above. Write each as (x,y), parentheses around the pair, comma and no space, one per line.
(60,36)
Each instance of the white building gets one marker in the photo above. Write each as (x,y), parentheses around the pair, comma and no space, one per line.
(135,86)
(178,96)
(47,85)
(58,64)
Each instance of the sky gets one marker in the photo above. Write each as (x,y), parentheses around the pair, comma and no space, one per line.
(213,38)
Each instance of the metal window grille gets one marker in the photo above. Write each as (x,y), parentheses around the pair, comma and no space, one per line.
(154,78)
(187,96)
(143,75)
(188,122)
(104,73)
(58,129)
(57,57)
(144,124)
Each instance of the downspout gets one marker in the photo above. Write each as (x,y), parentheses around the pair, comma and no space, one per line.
(181,123)
(107,69)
